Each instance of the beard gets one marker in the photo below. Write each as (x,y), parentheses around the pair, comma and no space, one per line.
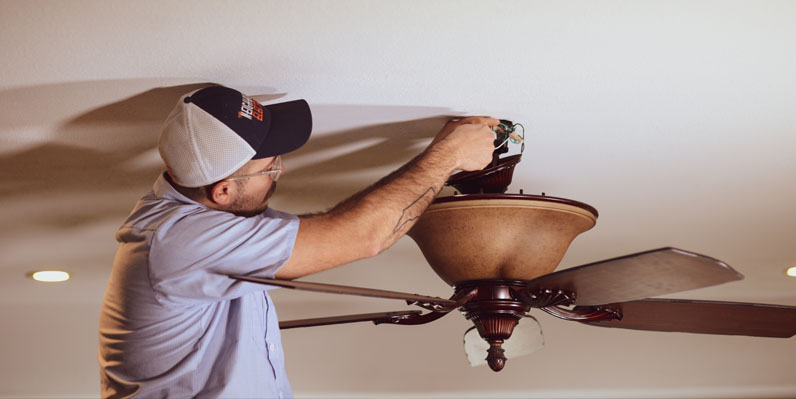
(248,206)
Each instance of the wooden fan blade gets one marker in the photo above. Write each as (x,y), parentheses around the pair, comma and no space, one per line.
(354,318)
(638,276)
(344,289)
(705,317)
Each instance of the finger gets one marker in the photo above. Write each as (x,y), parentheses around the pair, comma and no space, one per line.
(489,121)
(486,120)
(492,122)
(487,129)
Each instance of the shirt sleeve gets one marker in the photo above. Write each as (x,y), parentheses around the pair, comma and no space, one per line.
(191,255)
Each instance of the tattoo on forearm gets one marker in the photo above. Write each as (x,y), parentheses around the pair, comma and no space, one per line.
(415,209)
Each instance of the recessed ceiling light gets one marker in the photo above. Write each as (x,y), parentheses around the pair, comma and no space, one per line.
(50,276)
(791,271)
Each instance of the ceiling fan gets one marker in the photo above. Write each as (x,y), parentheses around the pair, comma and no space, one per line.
(499,252)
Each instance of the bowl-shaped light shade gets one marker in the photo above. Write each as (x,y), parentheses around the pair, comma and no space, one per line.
(516,237)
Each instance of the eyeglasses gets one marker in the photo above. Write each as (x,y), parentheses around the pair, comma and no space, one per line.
(275,170)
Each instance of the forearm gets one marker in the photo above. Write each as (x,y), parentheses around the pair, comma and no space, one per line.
(371,220)
(391,206)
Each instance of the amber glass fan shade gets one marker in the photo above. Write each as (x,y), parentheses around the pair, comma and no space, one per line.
(517,237)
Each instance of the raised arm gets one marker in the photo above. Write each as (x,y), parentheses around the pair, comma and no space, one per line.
(372,220)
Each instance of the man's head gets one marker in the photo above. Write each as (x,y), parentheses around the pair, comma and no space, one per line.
(216,142)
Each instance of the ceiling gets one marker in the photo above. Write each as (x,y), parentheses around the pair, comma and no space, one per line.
(674,119)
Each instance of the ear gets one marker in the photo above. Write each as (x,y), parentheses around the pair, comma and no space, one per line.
(223,192)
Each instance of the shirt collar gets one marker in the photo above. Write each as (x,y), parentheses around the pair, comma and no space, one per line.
(164,190)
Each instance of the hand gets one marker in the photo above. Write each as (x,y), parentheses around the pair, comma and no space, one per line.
(454,123)
(470,140)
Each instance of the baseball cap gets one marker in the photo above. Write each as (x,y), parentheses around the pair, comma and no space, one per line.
(214,131)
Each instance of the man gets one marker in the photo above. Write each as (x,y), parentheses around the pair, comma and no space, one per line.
(172,323)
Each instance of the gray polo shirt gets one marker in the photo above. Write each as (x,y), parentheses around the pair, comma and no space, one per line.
(172,323)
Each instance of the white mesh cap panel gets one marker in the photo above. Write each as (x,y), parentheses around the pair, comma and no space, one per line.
(199,149)
(219,150)
(174,145)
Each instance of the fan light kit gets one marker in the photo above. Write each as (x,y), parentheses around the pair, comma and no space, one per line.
(791,271)
(499,252)
(50,276)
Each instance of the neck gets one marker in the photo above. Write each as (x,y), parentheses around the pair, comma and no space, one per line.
(198,194)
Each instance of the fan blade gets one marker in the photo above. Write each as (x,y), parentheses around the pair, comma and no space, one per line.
(705,317)
(344,289)
(638,276)
(354,318)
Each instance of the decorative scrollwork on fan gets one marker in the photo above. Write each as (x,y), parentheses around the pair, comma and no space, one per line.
(584,313)
(544,297)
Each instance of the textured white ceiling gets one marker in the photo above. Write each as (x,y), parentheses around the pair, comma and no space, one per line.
(676,120)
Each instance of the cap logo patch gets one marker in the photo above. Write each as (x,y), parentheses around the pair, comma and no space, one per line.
(250,108)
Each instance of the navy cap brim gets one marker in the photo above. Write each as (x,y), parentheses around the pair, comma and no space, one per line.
(291,125)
